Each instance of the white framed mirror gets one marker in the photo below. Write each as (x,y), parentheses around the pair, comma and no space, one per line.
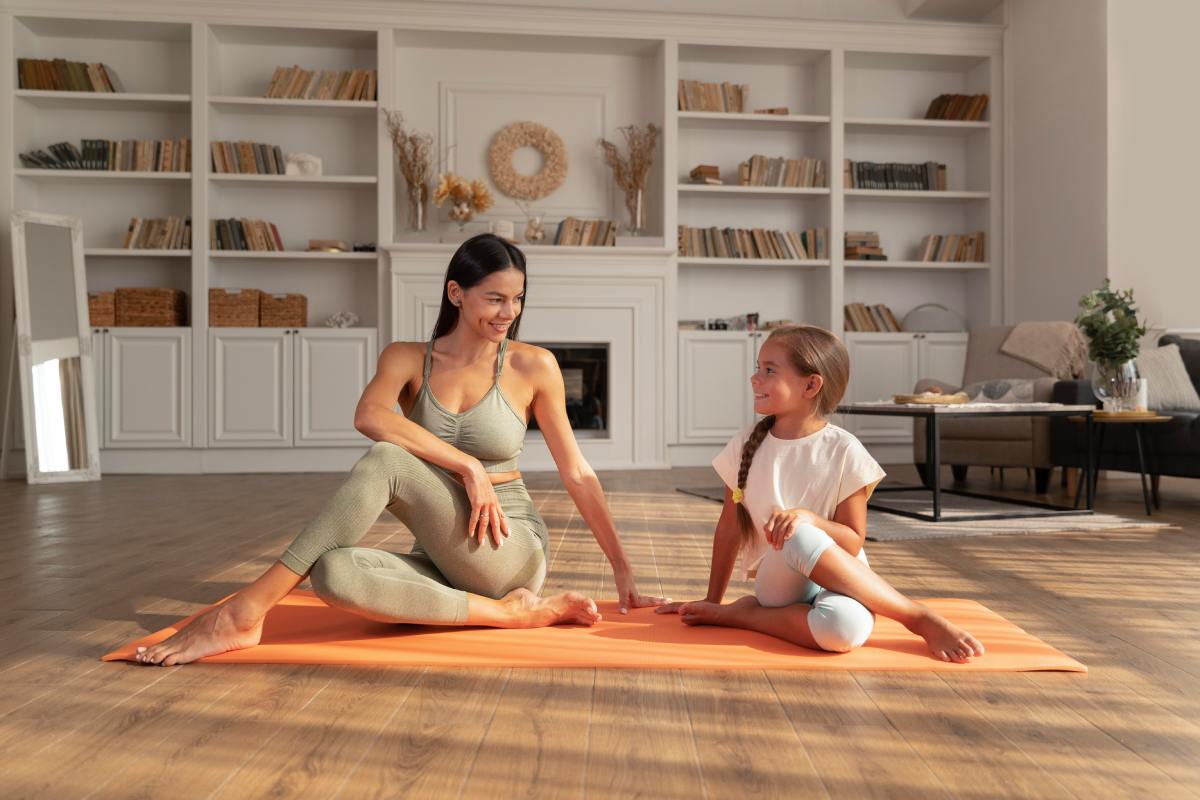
(54,349)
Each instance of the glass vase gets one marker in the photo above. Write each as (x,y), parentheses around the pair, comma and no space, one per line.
(637,212)
(1115,384)
(418,207)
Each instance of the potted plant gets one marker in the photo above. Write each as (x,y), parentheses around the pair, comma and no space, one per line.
(1109,321)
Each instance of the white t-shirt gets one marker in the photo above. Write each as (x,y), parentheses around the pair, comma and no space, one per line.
(816,472)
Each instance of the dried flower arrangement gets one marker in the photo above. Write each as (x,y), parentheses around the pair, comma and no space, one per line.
(630,171)
(466,198)
(414,157)
(527,187)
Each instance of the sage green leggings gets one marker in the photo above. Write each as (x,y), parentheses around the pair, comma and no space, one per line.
(430,584)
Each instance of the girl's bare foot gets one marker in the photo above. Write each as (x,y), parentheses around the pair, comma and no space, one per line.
(946,641)
(530,611)
(217,630)
(702,612)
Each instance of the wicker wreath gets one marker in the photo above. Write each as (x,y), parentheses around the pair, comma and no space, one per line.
(527,134)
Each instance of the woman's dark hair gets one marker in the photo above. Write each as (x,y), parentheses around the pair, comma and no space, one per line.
(474,260)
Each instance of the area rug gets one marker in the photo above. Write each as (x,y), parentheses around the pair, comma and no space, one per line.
(885,527)
(303,630)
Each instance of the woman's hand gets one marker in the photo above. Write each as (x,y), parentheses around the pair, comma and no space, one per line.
(782,524)
(628,596)
(486,514)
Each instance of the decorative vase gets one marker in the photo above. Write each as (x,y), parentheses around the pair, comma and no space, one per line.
(1115,384)
(418,207)
(461,213)
(637,212)
(534,232)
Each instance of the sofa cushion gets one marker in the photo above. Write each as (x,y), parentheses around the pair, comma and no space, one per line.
(1189,349)
(1180,436)
(1002,390)
(1168,386)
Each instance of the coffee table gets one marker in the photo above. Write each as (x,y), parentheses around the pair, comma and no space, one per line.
(933,414)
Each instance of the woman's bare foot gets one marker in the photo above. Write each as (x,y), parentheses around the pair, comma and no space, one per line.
(217,630)
(946,641)
(702,612)
(527,610)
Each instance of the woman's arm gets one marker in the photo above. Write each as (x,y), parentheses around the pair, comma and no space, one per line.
(376,418)
(578,477)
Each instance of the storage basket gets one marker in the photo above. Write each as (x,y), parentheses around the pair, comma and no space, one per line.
(147,308)
(102,309)
(233,308)
(282,310)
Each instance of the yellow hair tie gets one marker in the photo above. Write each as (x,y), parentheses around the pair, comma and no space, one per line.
(738,494)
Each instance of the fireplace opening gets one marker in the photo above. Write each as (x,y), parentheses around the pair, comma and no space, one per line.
(585,375)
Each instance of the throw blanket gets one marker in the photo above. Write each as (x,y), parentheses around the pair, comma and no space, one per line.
(1056,347)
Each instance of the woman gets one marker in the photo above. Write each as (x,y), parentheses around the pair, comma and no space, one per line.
(447,468)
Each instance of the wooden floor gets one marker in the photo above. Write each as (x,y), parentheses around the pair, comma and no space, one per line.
(89,566)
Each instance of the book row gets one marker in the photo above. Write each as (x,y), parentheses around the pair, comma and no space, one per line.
(243,234)
(586,232)
(877,318)
(296,83)
(714,242)
(247,158)
(927,177)
(171,233)
(968,107)
(701,96)
(124,155)
(953,247)
(60,75)
(764,171)
(864,246)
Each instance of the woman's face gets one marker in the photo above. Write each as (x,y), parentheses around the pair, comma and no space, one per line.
(490,307)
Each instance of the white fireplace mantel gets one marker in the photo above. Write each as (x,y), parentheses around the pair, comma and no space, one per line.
(610,295)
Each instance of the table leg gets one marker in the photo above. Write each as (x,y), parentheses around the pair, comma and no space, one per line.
(933,457)
(1097,460)
(1137,435)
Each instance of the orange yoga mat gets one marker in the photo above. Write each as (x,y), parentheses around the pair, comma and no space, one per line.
(303,630)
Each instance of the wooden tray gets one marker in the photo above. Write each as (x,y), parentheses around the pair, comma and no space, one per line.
(926,399)
(1098,414)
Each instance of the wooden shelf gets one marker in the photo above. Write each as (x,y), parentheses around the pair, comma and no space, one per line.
(915,126)
(330,180)
(100,174)
(290,255)
(767,263)
(944,266)
(722,119)
(121,252)
(261,105)
(704,188)
(898,194)
(115,100)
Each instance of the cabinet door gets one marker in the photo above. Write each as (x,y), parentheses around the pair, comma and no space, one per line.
(881,365)
(714,385)
(148,392)
(943,356)
(333,367)
(250,387)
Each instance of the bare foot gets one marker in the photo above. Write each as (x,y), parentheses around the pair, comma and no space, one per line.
(702,612)
(946,641)
(530,611)
(217,630)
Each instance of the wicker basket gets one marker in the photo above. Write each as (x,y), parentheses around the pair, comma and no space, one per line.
(282,310)
(148,308)
(102,309)
(233,308)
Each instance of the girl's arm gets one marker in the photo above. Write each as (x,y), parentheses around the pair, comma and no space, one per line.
(580,481)
(848,527)
(726,541)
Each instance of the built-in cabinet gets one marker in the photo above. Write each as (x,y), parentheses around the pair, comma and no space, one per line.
(715,400)
(143,386)
(885,364)
(287,387)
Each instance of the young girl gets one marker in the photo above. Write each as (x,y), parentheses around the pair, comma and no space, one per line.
(796,509)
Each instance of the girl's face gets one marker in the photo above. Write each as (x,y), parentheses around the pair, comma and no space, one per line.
(490,307)
(779,388)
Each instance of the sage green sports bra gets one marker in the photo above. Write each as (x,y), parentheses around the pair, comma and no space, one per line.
(491,430)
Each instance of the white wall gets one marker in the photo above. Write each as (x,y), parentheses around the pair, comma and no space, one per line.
(1055,56)
(1153,120)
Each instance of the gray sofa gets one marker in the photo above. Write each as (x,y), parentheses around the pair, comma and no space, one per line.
(1174,447)
(1004,442)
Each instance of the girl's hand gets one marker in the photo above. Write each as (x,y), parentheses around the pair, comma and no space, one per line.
(486,514)
(628,596)
(782,524)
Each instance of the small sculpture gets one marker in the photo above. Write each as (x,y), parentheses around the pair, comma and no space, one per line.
(342,319)
(302,164)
